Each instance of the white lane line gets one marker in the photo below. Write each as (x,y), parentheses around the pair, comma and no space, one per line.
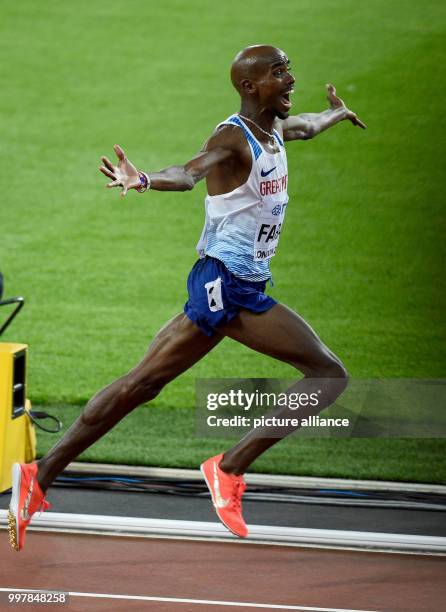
(209,602)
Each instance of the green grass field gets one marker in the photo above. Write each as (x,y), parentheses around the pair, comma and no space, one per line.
(362,251)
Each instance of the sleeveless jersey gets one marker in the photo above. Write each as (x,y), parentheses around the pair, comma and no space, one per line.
(242,227)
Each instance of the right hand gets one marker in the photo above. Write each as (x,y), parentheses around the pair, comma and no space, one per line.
(336,102)
(123,175)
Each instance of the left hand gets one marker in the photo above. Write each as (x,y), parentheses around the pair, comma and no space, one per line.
(336,102)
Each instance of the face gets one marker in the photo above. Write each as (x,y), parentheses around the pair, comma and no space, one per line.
(275,84)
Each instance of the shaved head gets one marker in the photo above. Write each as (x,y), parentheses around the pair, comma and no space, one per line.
(252,62)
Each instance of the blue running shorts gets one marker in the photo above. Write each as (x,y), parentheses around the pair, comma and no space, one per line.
(216,296)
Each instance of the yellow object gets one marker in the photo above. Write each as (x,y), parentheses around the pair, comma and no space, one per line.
(17,435)
(31,440)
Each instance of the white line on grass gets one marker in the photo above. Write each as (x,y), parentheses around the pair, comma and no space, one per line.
(209,602)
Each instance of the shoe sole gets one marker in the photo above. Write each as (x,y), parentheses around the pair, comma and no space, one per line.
(214,504)
(13,512)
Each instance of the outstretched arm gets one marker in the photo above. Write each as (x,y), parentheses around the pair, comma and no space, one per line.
(174,178)
(309,125)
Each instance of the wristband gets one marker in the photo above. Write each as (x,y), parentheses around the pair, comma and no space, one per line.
(145,182)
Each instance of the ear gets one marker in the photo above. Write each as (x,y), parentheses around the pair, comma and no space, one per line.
(247,86)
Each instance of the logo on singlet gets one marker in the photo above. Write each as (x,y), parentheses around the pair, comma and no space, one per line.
(278,209)
(265,173)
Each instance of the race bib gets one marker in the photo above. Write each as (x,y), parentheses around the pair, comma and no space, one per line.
(269,226)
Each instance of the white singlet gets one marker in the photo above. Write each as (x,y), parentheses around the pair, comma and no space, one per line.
(242,227)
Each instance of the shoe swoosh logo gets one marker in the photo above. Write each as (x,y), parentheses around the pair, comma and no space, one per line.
(263,173)
(220,502)
(24,512)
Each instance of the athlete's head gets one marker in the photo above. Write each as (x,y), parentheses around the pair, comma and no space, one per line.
(261,75)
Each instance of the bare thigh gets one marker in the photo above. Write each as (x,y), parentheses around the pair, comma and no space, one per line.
(176,347)
(283,334)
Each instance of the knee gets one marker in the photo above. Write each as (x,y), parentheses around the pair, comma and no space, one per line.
(331,374)
(337,373)
(336,369)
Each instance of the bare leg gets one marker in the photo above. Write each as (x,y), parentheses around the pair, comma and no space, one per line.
(283,334)
(176,347)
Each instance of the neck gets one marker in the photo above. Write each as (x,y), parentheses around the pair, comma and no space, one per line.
(262,116)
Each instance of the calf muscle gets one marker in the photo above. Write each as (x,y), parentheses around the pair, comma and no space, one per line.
(176,347)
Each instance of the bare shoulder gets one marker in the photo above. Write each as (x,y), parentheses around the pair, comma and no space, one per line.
(227,137)
(230,145)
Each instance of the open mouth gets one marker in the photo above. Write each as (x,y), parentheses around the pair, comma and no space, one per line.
(285,98)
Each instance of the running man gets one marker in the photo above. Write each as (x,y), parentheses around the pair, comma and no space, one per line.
(245,167)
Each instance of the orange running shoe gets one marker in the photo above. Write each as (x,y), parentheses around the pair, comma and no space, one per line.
(26,499)
(226,491)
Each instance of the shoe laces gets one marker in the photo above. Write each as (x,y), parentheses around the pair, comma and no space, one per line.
(43,506)
(237,492)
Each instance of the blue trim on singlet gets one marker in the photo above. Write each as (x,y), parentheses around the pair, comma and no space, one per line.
(279,140)
(256,148)
(236,251)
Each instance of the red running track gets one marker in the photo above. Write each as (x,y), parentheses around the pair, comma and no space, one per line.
(217,572)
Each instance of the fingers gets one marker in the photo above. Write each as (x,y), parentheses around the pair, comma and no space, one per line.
(107,172)
(357,121)
(118,183)
(107,163)
(114,183)
(112,171)
(333,99)
(119,152)
(331,93)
